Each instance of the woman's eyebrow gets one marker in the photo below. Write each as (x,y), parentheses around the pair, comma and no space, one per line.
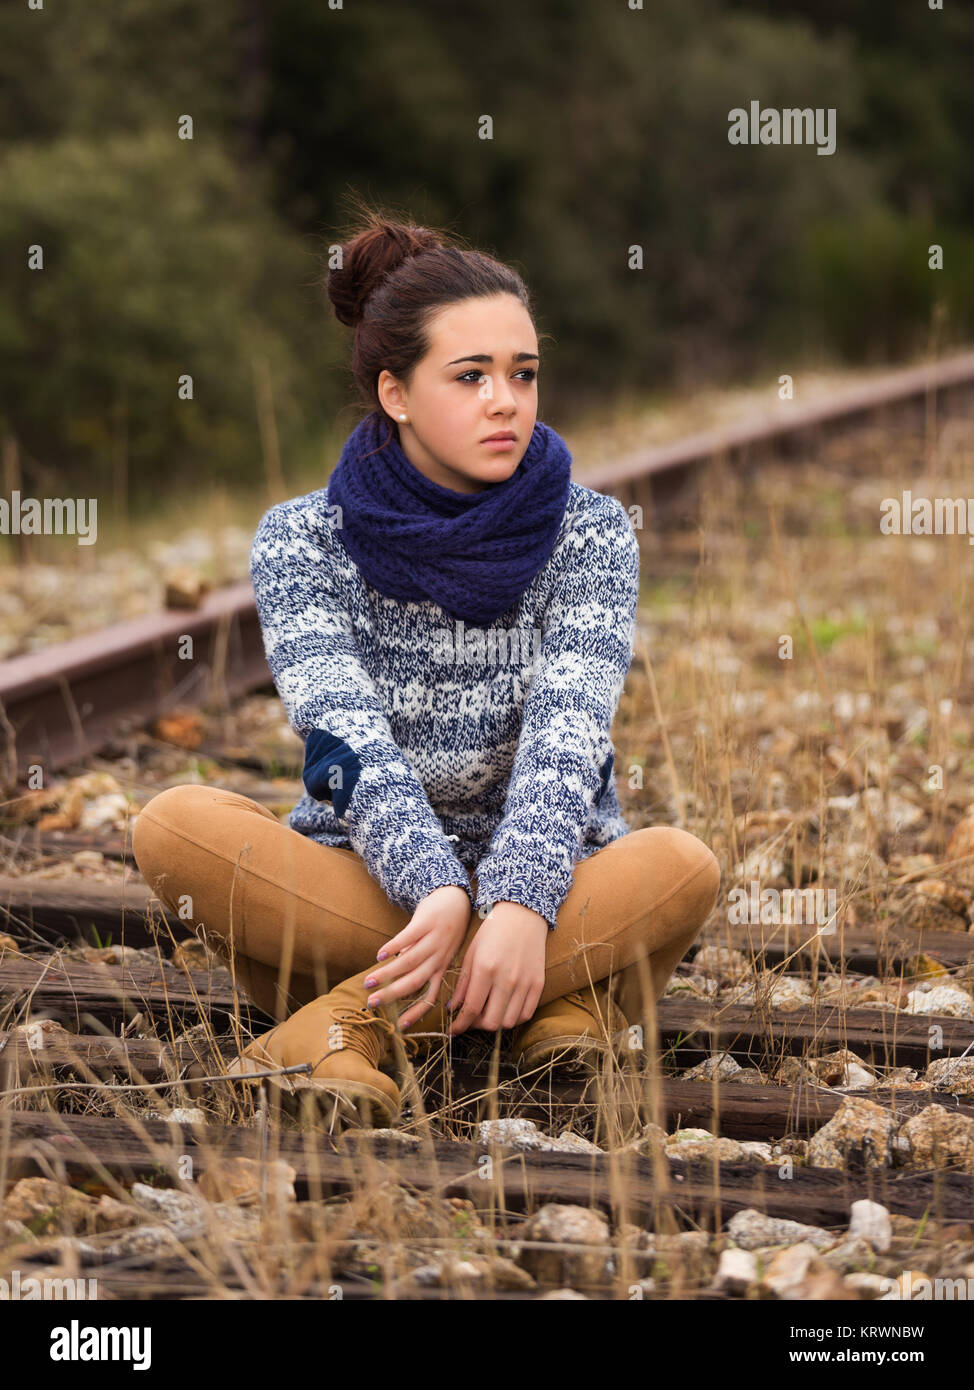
(485,357)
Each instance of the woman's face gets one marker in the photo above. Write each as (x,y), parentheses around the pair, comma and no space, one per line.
(478,378)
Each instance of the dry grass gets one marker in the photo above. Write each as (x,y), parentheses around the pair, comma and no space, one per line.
(771,762)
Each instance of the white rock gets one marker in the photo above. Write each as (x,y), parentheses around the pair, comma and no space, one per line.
(180,1115)
(143,1241)
(724,1065)
(722,962)
(567,1142)
(184,1212)
(737,1270)
(433,1275)
(790,1267)
(88,859)
(870,1220)
(524,1134)
(188,1215)
(750,1229)
(777,991)
(758,1148)
(844,705)
(104,811)
(866,1285)
(855,1078)
(942,999)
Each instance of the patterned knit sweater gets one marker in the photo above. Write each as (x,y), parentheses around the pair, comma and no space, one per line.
(434,749)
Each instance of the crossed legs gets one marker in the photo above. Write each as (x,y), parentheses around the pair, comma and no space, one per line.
(299,917)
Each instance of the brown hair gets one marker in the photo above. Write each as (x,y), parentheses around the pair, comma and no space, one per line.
(394,276)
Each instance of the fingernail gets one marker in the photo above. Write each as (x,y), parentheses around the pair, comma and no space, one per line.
(370,982)
(374,1002)
(382,955)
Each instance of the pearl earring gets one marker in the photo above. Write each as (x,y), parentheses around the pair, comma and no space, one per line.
(402,417)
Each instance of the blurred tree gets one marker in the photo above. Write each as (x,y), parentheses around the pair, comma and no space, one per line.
(160,263)
(166,257)
(916,118)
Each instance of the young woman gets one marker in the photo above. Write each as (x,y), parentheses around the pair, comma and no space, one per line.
(449,624)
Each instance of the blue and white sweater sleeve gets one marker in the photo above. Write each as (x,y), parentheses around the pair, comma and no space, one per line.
(351,758)
(564,751)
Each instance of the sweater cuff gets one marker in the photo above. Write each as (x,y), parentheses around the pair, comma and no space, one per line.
(536,893)
(437,871)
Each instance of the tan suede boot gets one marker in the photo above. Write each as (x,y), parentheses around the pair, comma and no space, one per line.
(344,1041)
(576,1030)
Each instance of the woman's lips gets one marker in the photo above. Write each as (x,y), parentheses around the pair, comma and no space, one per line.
(500,446)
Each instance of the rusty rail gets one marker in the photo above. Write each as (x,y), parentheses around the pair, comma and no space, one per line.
(658,475)
(65,703)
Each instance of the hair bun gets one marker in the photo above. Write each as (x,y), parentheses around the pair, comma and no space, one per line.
(369,258)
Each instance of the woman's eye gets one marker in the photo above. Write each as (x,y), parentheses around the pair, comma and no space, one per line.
(529,372)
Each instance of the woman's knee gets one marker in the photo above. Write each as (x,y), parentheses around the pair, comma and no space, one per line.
(169,812)
(706,877)
(690,866)
(158,814)
(177,814)
(184,808)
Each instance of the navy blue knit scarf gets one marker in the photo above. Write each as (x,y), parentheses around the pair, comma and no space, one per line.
(472,553)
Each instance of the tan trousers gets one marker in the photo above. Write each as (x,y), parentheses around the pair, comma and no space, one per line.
(300,917)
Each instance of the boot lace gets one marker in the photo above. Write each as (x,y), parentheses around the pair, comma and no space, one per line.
(358,1042)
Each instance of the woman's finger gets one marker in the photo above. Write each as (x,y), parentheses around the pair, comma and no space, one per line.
(407,959)
(514,1010)
(475,994)
(532,1000)
(417,1011)
(510,1016)
(496,1007)
(459,994)
(410,933)
(409,984)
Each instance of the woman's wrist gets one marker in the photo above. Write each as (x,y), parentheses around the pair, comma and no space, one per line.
(453,889)
(522,910)
(450,902)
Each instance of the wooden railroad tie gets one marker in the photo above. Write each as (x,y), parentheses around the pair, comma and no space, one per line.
(626,1185)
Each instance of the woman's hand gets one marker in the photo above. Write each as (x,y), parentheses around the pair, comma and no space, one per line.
(423,950)
(503,972)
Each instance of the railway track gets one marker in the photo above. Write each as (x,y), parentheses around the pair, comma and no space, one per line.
(62,704)
(95,1049)
(88,1042)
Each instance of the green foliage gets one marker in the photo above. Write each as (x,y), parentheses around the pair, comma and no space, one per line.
(867,276)
(101,945)
(160,261)
(826,631)
(166,257)
(43,1221)
(920,1228)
